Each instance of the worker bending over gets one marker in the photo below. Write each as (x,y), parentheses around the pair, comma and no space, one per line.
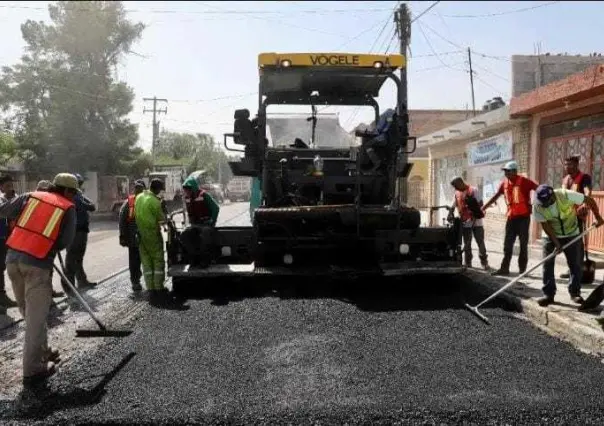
(127,225)
(149,217)
(555,210)
(46,224)
(202,211)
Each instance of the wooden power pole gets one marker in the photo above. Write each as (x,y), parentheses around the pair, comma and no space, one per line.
(402,21)
(472,82)
(155,111)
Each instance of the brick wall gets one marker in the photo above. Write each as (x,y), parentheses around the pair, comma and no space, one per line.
(577,86)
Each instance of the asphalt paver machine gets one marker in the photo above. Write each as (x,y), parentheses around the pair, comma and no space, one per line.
(327,207)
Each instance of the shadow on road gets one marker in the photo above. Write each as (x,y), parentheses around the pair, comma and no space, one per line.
(42,402)
(430,293)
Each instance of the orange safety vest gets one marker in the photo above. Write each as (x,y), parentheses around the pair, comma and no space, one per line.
(131,200)
(38,225)
(460,198)
(518,205)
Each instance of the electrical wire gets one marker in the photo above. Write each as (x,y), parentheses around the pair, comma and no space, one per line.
(425,11)
(509,12)
(213,12)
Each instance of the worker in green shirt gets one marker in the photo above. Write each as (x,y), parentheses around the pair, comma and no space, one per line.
(149,216)
(555,210)
(203,211)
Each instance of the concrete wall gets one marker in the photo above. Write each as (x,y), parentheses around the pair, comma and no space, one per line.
(530,71)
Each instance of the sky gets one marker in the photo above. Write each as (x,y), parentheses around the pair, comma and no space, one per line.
(202,56)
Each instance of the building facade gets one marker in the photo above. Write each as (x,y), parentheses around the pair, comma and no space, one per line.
(567,118)
(529,72)
(476,149)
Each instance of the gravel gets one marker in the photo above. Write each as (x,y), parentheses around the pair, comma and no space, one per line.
(351,353)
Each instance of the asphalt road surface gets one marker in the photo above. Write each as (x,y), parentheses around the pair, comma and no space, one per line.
(336,352)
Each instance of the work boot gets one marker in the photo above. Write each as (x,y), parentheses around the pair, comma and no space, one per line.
(501,273)
(577,299)
(7,301)
(41,377)
(87,284)
(486,266)
(545,301)
(136,287)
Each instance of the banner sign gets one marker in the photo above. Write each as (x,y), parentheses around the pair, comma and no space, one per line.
(496,149)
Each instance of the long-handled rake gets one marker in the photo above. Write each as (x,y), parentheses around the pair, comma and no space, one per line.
(103,331)
(474,309)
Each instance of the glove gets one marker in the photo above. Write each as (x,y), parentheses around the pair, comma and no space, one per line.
(123,241)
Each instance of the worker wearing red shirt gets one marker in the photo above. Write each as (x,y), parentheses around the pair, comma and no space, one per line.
(517,192)
(580,182)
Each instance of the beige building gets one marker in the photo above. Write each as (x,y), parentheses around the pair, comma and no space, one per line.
(476,149)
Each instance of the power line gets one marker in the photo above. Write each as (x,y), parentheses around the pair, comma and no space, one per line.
(421,28)
(214,12)
(509,12)
(425,11)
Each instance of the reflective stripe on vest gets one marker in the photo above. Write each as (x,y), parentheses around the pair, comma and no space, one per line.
(38,225)
(517,204)
(464,211)
(565,223)
(131,200)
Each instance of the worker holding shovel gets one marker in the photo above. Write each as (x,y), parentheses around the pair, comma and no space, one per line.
(555,210)
(46,224)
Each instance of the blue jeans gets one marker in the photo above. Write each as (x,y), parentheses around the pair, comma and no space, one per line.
(573,259)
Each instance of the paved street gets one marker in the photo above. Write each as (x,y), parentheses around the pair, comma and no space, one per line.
(348,352)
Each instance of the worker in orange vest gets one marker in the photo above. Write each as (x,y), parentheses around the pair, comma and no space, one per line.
(580,182)
(517,192)
(128,231)
(468,201)
(46,224)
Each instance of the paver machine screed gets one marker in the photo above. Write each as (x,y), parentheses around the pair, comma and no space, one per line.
(328,207)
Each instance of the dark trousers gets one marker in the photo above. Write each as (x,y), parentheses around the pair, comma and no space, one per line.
(478,233)
(74,261)
(516,227)
(197,242)
(3,249)
(573,259)
(134,264)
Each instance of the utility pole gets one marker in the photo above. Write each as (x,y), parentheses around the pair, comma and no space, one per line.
(472,82)
(155,111)
(402,22)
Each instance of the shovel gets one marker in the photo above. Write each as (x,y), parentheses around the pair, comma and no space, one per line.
(102,331)
(474,309)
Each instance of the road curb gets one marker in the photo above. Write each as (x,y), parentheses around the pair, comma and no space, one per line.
(586,338)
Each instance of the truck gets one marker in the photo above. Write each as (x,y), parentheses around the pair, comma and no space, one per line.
(173,179)
(239,188)
(332,209)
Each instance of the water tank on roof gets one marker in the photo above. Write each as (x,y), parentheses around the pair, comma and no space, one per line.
(496,103)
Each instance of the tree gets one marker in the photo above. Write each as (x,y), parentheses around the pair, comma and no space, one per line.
(195,151)
(8,148)
(66,109)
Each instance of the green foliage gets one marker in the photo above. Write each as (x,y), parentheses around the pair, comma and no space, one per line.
(66,109)
(8,148)
(195,152)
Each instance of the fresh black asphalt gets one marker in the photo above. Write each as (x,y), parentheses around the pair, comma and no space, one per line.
(333,355)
